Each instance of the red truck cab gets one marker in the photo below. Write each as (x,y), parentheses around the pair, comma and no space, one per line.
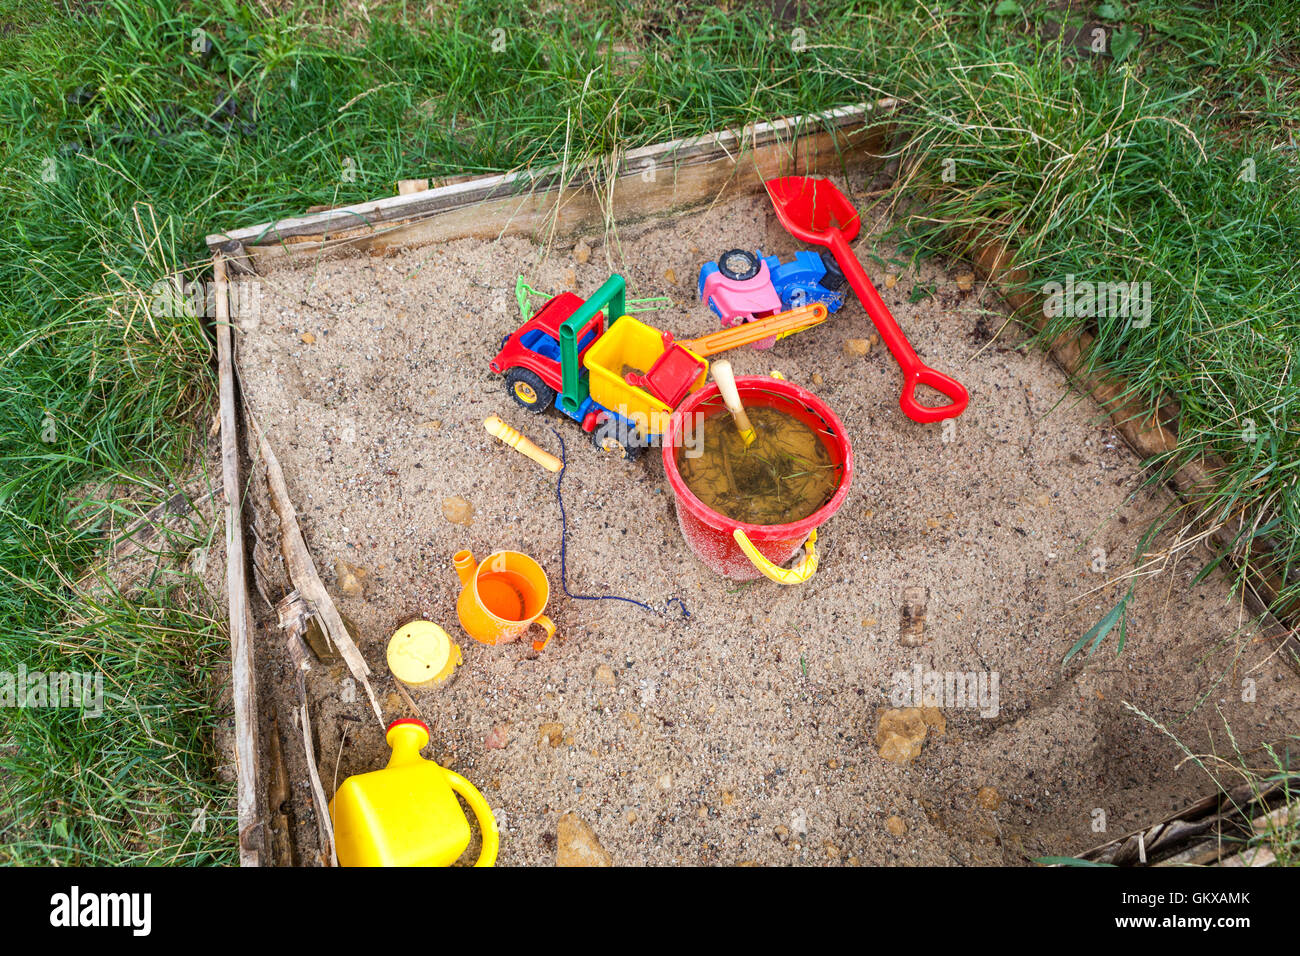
(530,356)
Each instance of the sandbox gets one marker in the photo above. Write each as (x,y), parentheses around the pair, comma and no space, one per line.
(735,723)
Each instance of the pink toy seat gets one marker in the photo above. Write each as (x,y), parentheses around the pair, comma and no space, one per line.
(742,300)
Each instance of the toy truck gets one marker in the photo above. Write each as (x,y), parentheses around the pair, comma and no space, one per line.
(618,379)
(621,379)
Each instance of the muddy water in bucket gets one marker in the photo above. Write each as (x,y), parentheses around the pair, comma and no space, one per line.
(784,476)
(743,550)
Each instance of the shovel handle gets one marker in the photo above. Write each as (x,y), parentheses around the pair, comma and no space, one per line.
(915,372)
(945,385)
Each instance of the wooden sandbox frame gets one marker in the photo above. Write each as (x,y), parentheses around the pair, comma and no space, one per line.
(556,203)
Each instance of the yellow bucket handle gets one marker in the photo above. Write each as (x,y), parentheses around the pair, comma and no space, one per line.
(796,575)
(487,823)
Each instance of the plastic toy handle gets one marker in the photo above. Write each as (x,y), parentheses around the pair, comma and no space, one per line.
(800,573)
(549,626)
(915,372)
(726,382)
(944,384)
(514,438)
(487,823)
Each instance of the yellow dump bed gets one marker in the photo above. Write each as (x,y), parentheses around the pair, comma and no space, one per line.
(630,346)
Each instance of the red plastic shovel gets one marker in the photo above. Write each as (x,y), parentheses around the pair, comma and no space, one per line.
(814,211)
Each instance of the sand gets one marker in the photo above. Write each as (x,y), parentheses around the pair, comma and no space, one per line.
(746,732)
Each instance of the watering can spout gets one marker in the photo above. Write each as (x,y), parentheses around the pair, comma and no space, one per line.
(407,738)
(464,563)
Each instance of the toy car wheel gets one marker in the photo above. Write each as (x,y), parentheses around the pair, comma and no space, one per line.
(528,389)
(612,437)
(738,265)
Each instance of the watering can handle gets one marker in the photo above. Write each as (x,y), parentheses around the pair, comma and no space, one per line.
(796,575)
(546,624)
(487,823)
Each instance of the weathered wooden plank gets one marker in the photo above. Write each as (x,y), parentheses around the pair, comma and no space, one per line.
(655,180)
(252,838)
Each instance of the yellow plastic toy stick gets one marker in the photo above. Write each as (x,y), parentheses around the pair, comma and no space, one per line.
(512,437)
(731,398)
(780,325)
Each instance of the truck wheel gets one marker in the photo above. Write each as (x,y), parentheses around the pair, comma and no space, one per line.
(612,437)
(738,265)
(528,389)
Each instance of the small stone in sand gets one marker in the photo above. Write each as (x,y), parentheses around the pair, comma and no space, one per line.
(604,674)
(857,348)
(582,252)
(911,618)
(308,338)
(571,278)
(349,578)
(498,738)
(965,281)
(576,844)
(988,798)
(799,822)
(896,825)
(670,276)
(817,378)
(901,731)
(552,733)
(891,280)
(457,510)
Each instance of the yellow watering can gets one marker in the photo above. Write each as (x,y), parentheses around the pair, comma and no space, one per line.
(407,814)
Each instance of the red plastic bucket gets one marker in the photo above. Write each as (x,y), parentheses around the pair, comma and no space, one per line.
(711,535)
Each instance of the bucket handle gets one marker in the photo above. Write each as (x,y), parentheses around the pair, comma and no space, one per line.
(487,823)
(796,575)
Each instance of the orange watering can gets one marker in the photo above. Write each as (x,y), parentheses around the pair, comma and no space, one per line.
(407,814)
(503,597)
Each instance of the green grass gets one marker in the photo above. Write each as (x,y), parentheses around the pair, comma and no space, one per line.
(1128,170)
(1116,174)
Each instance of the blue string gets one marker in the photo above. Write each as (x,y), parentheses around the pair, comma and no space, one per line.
(564,547)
